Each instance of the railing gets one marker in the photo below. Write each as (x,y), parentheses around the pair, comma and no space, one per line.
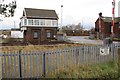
(38,64)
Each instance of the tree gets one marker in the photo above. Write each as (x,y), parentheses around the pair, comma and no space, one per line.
(8,10)
(92,30)
(72,27)
(78,26)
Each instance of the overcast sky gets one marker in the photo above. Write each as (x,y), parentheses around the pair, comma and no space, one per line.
(73,11)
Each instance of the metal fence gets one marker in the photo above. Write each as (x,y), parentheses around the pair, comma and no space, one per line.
(38,64)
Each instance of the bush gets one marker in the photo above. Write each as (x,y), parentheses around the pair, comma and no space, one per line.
(11,41)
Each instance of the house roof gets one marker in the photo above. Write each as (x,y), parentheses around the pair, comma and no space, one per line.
(40,13)
(109,19)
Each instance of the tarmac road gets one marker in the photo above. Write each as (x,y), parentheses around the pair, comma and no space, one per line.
(84,40)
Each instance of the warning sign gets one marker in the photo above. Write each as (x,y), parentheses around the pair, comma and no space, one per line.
(104,51)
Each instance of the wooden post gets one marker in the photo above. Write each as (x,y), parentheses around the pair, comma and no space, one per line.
(0,66)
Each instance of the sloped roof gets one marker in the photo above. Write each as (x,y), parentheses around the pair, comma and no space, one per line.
(40,13)
(109,19)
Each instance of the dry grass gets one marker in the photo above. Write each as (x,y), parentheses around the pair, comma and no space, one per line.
(39,47)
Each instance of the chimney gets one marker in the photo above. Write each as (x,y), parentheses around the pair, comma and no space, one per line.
(100,14)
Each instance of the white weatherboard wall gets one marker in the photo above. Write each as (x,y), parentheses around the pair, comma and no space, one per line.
(17,34)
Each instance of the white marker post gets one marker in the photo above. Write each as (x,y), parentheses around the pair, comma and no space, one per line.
(113,15)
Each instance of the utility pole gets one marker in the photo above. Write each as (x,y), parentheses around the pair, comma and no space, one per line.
(82,25)
(61,14)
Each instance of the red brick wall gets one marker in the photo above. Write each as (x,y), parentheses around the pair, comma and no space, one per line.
(105,28)
(28,35)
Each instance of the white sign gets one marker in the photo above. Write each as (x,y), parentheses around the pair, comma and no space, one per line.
(104,51)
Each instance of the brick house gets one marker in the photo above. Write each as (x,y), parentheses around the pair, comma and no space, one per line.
(39,25)
(103,27)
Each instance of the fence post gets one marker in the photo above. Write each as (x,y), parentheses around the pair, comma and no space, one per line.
(20,67)
(77,56)
(118,61)
(43,65)
(0,66)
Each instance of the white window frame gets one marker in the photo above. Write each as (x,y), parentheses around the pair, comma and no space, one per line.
(36,22)
(48,22)
(30,22)
(25,22)
(54,23)
(42,22)
(39,22)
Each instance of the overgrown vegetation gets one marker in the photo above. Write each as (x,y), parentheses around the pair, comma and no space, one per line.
(105,70)
(10,40)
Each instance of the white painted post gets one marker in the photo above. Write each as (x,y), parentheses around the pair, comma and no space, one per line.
(0,66)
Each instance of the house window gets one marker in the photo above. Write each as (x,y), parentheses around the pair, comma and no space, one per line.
(54,23)
(48,34)
(35,34)
(30,21)
(25,21)
(42,22)
(36,22)
(48,22)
